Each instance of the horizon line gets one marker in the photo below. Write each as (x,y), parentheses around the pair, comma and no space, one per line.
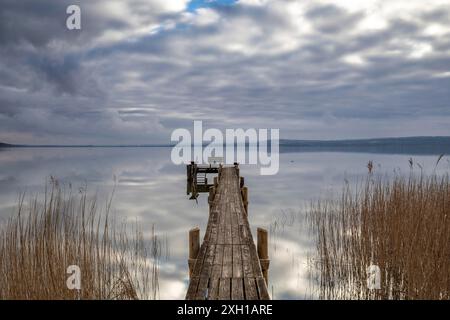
(161,145)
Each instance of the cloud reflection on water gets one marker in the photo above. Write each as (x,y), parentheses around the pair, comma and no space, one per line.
(151,190)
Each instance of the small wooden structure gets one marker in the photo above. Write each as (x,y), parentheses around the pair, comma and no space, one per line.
(227,265)
(197,180)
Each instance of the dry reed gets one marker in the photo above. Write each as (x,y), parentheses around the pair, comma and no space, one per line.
(401,225)
(40,241)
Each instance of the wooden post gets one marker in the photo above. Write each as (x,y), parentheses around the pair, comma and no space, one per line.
(216,182)
(194,248)
(236,166)
(244,191)
(188,171)
(194,170)
(188,187)
(212,194)
(241,182)
(263,252)
(194,176)
(189,178)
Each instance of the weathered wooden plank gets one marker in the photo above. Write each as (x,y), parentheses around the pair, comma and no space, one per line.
(214,231)
(262,289)
(227,265)
(237,289)
(228,235)
(192,289)
(202,290)
(218,261)
(208,261)
(255,260)
(250,289)
(218,255)
(221,234)
(235,226)
(247,265)
(245,234)
(199,264)
(237,261)
(224,289)
(213,288)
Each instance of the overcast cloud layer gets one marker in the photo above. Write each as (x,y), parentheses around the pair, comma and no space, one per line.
(140,68)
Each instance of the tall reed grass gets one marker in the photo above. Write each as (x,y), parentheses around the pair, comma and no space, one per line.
(400,224)
(43,238)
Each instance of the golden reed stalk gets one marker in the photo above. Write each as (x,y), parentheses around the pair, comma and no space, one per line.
(401,224)
(42,239)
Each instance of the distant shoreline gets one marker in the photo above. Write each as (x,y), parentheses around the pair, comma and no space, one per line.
(285,143)
(81,146)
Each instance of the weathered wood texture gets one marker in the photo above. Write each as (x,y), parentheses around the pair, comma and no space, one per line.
(194,247)
(227,266)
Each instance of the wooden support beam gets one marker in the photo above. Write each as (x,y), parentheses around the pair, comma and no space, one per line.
(194,248)
(241,182)
(263,252)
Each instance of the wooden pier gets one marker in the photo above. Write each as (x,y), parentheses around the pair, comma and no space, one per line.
(228,265)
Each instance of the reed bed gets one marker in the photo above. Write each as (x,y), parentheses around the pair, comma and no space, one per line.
(43,238)
(400,224)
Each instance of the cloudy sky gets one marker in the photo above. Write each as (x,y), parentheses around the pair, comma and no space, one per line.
(138,69)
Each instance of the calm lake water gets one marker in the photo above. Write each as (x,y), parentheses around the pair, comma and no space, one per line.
(151,190)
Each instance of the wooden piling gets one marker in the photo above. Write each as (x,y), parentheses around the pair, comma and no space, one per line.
(188,171)
(194,247)
(188,187)
(241,182)
(263,252)
(244,192)
(189,178)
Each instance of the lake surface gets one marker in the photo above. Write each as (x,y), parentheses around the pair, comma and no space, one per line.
(152,190)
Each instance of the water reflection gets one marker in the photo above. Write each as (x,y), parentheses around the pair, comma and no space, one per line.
(151,190)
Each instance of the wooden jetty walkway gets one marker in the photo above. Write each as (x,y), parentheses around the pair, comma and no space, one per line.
(227,266)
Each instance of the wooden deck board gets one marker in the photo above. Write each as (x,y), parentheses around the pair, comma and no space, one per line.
(224,289)
(237,289)
(237,261)
(251,292)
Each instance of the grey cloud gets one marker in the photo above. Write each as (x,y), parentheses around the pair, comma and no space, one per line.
(138,90)
(31,21)
(332,19)
(441,15)
(64,73)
